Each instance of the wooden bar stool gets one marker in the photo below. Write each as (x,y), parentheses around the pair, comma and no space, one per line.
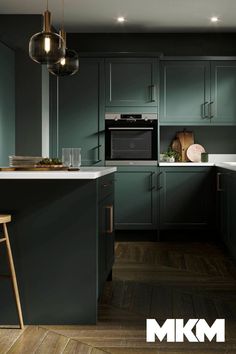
(4,219)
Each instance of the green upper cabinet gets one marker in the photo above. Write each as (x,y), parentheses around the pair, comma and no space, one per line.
(136,198)
(187,198)
(185,92)
(81,111)
(223,88)
(198,92)
(131,82)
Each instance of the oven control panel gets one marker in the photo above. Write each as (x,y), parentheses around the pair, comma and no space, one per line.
(131,116)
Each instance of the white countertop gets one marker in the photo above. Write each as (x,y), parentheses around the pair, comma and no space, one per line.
(228,165)
(83,173)
(185,164)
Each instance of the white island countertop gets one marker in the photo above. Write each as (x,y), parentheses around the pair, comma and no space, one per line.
(83,173)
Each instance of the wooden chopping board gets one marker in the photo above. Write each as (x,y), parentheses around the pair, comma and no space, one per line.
(186,139)
(176,146)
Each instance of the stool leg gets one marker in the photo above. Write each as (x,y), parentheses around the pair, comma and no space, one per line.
(13,277)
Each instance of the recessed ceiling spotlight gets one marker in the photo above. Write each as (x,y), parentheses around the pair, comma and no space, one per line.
(214,19)
(120,19)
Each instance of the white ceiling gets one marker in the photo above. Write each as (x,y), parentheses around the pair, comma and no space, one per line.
(142,15)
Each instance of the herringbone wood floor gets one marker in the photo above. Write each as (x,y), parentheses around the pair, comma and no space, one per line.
(150,280)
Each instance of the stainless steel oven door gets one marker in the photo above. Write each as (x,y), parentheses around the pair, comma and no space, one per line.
(131,143)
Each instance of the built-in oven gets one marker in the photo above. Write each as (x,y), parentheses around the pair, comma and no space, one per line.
(131,139)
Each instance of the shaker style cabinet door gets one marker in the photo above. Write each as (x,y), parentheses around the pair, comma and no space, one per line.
(223,178)
(136,199)
(232,219)
(80,111)
(223,88)
(105,240)
(131,82)
(185,92)
(187,198)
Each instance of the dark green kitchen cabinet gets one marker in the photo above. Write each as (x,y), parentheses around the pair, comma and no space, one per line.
(198,92)
(223,88)
(106,230)
(136,198)
(131,82)
(81,112)
(7,104)
(187,198)
(226,187)
(223,197)
(185,91)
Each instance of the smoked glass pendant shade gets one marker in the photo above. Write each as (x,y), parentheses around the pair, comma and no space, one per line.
(46,47)
(67,66)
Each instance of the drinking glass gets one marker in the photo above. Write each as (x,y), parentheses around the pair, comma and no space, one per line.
(76,157)
(66,157)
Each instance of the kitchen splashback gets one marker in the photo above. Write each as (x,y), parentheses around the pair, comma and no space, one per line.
(216,140)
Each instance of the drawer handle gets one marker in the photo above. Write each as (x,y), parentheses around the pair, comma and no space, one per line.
(105,185)
(110,228)
(218,187)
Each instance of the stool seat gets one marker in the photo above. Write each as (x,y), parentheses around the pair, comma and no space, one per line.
(4,218)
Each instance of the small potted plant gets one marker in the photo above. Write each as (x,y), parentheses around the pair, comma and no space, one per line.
(171,155)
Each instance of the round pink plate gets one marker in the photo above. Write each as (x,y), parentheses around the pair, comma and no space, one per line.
(194,152)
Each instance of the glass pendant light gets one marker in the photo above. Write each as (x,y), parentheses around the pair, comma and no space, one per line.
(46,47)
(68,65)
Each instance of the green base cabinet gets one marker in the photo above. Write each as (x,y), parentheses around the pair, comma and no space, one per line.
(187,198)
(226,182)
(136,198)
(63,246)
(131,82)
(106,230)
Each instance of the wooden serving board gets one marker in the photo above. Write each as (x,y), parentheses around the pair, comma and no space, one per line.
(186,139)
(35,168)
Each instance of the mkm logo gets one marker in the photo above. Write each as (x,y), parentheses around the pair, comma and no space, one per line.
(175,330)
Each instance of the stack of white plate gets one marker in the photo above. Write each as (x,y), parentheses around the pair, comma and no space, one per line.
(24,161)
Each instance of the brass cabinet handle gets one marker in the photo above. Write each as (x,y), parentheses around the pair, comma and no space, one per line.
(110,228)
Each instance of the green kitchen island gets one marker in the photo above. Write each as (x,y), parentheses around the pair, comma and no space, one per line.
(62,241)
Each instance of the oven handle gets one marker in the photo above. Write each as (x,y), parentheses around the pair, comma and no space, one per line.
(129,128)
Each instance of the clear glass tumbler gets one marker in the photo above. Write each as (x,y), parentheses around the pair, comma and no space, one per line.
(67,157)
(75,157)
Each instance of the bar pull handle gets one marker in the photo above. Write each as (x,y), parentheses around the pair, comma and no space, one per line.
(152,187)
(98,147)
(204,105)
(110,227)
(152,89)
(159,181)
(211,109)
(218,184)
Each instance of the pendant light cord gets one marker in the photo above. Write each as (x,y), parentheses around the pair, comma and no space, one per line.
(63,16)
